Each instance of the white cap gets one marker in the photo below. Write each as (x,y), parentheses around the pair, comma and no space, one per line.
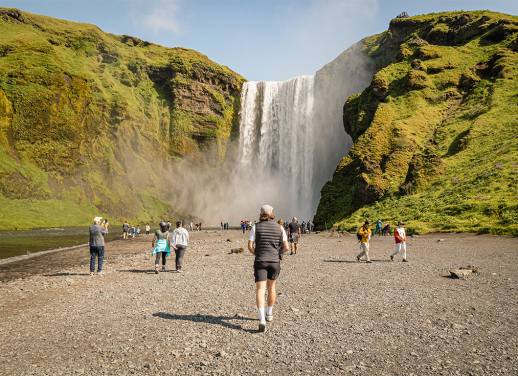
(266,209)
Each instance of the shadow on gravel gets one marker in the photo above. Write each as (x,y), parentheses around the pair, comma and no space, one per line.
(144,271)
(218,320)
(355,262)
(64,274)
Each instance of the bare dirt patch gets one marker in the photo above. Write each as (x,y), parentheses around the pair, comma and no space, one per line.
(334,315)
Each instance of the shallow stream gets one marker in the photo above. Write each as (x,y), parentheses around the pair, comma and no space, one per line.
(16,243)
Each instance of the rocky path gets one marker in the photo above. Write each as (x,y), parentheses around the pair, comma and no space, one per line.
(334,316)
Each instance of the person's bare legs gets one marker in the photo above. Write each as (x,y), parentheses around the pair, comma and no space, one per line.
(272,296)
(260,289)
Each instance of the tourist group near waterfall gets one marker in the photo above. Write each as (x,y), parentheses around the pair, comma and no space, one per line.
(268,241)
(260,187)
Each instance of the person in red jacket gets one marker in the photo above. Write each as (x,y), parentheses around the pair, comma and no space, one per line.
(400,238)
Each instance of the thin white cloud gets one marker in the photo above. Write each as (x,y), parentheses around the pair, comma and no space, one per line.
(157,15)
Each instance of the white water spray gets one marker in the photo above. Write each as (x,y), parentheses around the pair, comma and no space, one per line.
(291,137)
(291,133)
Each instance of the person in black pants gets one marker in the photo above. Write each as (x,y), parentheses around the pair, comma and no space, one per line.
(180,241)
(96,243)
(267,242)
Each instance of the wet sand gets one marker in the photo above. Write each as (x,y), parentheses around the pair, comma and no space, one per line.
(334,315)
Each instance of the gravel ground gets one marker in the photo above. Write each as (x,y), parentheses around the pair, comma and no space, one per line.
(334,315)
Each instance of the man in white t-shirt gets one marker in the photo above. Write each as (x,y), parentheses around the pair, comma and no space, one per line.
(400,238)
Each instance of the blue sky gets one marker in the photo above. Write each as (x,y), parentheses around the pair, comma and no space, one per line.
(261,39)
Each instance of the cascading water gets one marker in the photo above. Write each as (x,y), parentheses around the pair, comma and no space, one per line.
(291,137)
(291,133)
(276,139)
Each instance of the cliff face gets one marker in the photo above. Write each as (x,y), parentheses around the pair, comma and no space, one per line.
(89,120)
(435,132)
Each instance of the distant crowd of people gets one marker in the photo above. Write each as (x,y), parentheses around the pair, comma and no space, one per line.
(131,232)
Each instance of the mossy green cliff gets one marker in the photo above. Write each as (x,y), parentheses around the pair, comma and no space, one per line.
(435,134)
(89,120)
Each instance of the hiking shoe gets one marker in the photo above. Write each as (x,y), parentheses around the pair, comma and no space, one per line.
(405,260)
(391,258)
(358,258)
(262,327)
(163,268)
(269,318)
(156,271)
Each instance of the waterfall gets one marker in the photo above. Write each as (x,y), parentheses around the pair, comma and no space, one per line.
(291,134)
(291,138)
(276,140)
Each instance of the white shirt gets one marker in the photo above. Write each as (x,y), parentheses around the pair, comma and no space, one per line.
(401,232)
(180,236)
(252,234)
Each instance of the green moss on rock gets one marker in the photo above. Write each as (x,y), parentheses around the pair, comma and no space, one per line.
(93,113)
(436,149)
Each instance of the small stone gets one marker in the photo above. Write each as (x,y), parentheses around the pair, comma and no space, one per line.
(221,354)
(349,352)
(460,273)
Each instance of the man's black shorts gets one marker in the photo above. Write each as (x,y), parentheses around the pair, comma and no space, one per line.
(264,270)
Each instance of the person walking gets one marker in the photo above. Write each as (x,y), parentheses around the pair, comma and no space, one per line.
(97,232)
(379,226)
(105,224)
(180,241)
(400,238)
(148,228)
(161,245)
(267,242)
(294,229)
(125,229)
(364,236)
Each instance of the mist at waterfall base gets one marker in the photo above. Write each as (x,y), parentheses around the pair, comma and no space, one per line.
(291,138)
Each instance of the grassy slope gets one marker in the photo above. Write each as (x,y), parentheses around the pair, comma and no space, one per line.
(435,133)
(85,114)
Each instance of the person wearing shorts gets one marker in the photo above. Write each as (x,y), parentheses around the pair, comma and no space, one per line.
(267,242)
(294,229)
(125,229)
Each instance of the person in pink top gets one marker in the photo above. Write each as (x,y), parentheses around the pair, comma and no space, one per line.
(400,238)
